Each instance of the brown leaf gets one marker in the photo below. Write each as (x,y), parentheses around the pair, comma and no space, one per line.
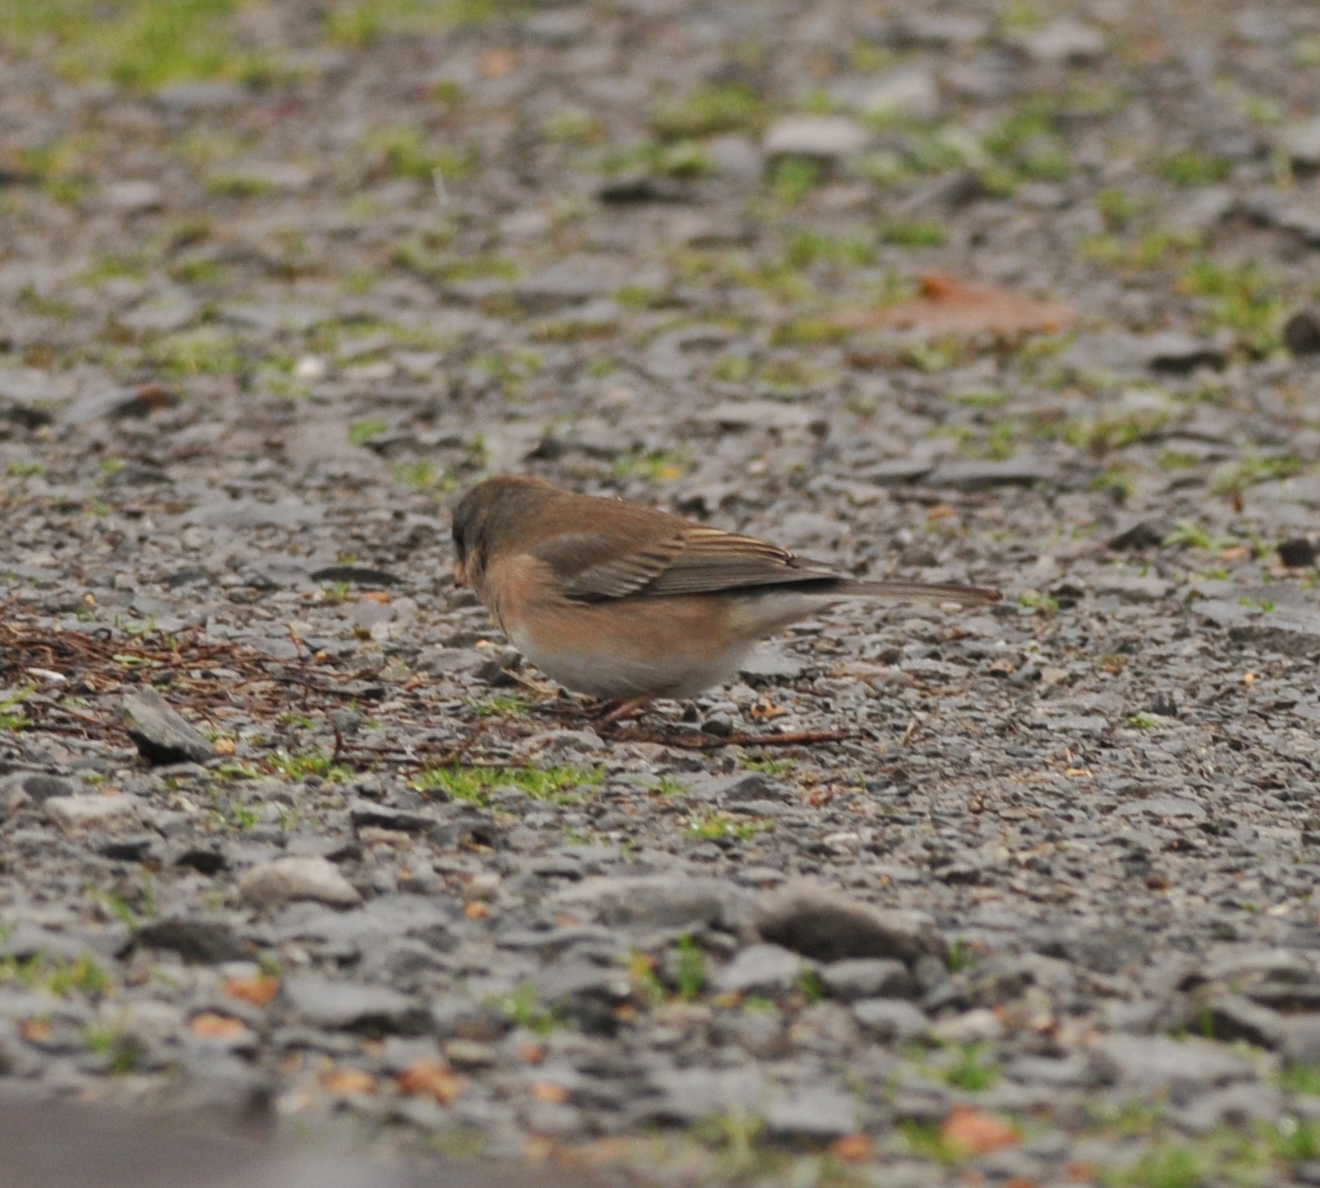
(854,1148)
(348,1082)
(209,1025)
(429,1078)
(259,990)
(497,63)
(476,910)
(549,1091)
(36,1031)
(977,1133)
(948,306)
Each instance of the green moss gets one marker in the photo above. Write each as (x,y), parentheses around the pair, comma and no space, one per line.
(404,152)
(714,825)
(792,179)
(805,248)
(709,111)
(523,1007)
(1167,1166)
(655,465)
(298,766)
(236,185)
(571,126)
(1189,535)
(1301,1078)
(1191,167)
(919,233)
(198,352)
(1251,470)
(558,785)
(361,432)
(1242,298)
(136,43)
(356,25)
(690,968)
(424,477)
(972,1069)
(81,975)
(799,332)
(1117,207)
(11,716)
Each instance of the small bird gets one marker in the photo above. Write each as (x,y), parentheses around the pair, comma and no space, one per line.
(628,603)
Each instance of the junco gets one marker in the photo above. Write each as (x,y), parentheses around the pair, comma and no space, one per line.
(628,603)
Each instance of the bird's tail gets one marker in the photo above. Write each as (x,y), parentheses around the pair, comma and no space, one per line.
(924,591)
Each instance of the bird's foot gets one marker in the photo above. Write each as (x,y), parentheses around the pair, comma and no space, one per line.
(609,713)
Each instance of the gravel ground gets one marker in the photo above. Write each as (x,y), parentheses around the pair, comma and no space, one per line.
(285,824)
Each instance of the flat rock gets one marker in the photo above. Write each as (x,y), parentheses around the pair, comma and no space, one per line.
(322,1002)
(978,475)
(1153,1064)
(160,733)
(866,977)
(200,942)
(87,813)
(658,901)
(828,137)
(1302,143)
(761,969)
(816,1112)
(692,1094)
(1064,40)
(821,923)
(285,879)
(890,1018)
(131,197)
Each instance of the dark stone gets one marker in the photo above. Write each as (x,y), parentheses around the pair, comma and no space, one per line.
(359,574)
(39,787)
(827,926)
(1298,552)
(367,813)
(205,860)
(1301,332)
(1139,534)
(199,942)
(160,733)
(978,475)
(128,849)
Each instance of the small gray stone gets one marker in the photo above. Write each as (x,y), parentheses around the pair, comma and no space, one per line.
(202,942)
(867,977)
(286,879)
(827,137)
(1152,1064)
(819,1112)
(81,814)
(131,197)
(160,733)
(347,1005)
(658,901)
(978,475)
(1302,143)
(767,969)
(36,786)
(692,1094)
(910,92)
(818,922)
(1065,40)
(192,97)
(891,1018)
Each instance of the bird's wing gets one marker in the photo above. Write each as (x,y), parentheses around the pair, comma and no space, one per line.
(595,567)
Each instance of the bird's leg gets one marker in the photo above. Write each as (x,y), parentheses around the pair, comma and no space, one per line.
(618,708)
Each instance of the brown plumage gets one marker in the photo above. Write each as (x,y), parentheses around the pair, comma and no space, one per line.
(627,602)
